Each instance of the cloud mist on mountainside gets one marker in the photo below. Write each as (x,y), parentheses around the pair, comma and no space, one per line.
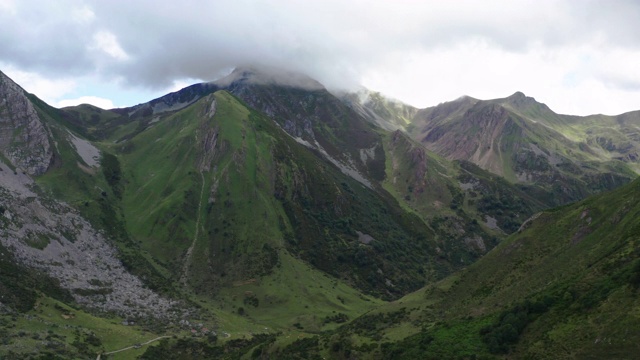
(419,52)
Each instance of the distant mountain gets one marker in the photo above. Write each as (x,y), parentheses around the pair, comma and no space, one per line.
(525,142)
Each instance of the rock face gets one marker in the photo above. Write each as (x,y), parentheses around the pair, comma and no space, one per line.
(23,138)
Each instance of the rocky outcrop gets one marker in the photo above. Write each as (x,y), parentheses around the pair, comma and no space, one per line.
(23,138)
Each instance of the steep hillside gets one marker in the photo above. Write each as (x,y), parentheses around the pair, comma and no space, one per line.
(319,120)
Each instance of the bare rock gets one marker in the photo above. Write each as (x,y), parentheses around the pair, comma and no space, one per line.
(23,138)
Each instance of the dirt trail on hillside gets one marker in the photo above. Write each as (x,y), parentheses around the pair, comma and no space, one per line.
(133,346)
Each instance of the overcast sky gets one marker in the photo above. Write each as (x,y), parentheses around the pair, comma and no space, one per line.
(579,57)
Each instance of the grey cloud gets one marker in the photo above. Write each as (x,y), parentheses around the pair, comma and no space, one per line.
(39,37)
(333,41)
(269,75)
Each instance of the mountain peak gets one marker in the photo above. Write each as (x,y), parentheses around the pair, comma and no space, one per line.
(269,76)
(519,99)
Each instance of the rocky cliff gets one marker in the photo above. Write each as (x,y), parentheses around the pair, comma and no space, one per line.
(24,140)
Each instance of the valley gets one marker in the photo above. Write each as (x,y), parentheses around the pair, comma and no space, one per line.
(263,216)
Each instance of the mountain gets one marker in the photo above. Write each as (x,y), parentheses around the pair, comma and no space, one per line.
(256,205)
(525,142)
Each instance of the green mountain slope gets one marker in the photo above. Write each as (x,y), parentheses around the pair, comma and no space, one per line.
(143,187)
(565,286)
(221,211)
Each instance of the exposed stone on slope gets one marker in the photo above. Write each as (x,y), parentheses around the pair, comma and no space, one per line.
(476,242)
(208,140)
(89,153)
(23,137)
(53,237)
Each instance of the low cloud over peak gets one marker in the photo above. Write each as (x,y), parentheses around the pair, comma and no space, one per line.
(262,75)
(420,52)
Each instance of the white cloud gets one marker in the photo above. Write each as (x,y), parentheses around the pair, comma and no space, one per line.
(55,92)
(93,100)
(181,84)
(9,6)
(83,15)
(46,89)
(107,42)
(573,80)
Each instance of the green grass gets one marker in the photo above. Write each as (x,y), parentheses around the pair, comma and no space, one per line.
(52,320)
(295,294)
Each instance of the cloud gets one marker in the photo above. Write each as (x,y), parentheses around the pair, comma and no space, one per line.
(83,15)
(436,48)
(8,6)
(107,43)
(47,89)
(93,100)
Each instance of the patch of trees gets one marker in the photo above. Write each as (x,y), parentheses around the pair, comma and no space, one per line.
(305,348)
(188,348)
(506,330)
(372,325)
(112,173)
(338,318)
(508,210)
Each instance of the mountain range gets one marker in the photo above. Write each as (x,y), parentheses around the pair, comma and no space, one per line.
(264,208)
